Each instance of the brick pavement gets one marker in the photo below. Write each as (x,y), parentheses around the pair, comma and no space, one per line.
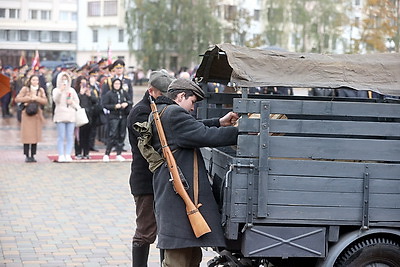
(63,214)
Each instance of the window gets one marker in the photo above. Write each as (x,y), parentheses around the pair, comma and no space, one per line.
(120,36)
(357,21)
(45,36)
(64,15)
(73,37)
(230,12)
(14,13)
(110,8)
(34,36)
(2,12)
(55,37)
(3,35)
(13,35)
(45,15)
(256,15)
(65,37)
(74,16)
(94,9)
(24,35)
(33,14)
(95,36)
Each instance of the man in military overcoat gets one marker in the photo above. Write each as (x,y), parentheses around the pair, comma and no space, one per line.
(185,135)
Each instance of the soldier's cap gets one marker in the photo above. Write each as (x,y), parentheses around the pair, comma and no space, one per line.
(102,60)
(160,80)
(94,71)
(185,84)
(109,67)
(118,63)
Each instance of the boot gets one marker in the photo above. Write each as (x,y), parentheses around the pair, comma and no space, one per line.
(140,254)
(161,256)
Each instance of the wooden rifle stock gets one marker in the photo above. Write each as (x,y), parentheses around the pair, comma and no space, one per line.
(197,221)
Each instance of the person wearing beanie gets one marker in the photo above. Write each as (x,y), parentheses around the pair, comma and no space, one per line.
(185,136)
(141,178)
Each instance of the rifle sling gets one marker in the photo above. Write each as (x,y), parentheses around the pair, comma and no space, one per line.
(195,179)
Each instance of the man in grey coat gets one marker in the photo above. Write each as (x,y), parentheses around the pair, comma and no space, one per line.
(185,135)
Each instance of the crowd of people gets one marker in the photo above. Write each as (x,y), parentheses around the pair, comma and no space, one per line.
(86,87)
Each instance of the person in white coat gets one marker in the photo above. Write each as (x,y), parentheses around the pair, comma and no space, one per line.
(66,101)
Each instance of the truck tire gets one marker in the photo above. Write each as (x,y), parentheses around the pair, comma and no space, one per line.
(371,252)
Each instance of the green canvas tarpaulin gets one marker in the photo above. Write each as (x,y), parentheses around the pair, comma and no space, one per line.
(249,67)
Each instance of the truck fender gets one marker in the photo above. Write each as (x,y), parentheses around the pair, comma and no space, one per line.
(347,239)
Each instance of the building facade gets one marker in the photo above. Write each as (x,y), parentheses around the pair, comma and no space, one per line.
(102,31)
(46,26)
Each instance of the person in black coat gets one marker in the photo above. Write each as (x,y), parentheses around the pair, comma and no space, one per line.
(119,103)
(141,178)
(87,100)
(185,135)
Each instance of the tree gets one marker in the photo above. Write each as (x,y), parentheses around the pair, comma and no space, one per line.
(170,28)
(379,26)
(308,25)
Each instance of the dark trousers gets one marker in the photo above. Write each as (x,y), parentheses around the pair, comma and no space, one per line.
(183,257)
(5,104)
(32,148)
(83,143)
(146,227)
(116,134)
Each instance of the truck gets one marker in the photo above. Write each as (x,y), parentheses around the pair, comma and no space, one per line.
(313,180)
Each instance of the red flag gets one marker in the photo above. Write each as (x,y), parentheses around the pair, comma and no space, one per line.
(109,61)
(4,85)
(36,61)
(22,59)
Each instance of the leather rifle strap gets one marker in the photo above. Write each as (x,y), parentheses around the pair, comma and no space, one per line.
(195,179)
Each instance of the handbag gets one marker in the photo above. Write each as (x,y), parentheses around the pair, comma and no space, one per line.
(81,117)
(32,107)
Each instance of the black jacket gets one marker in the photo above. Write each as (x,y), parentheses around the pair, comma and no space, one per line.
(141,178)
(113,97)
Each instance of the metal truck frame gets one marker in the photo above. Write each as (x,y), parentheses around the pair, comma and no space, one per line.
(313,181)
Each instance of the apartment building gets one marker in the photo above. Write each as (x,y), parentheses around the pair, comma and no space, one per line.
(102,31)
(48,26)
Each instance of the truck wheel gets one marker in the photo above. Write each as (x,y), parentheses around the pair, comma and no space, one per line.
(371,252)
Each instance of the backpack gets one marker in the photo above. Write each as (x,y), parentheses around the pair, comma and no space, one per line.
(148,152)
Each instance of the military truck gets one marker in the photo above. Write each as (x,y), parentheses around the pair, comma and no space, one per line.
(313,181)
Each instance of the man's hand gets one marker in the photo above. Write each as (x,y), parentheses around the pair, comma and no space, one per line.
(229,119)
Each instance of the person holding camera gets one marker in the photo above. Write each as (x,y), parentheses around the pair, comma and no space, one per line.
(67,102)
(32,120)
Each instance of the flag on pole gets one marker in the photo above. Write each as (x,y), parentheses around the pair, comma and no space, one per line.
(22,59)
(109,60)
(36,61)
(4,85)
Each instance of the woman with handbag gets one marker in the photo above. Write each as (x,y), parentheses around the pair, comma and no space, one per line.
(87,100)
(32,97)
(67,102)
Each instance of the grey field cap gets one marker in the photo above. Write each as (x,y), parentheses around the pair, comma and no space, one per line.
(185,84)
(160,80)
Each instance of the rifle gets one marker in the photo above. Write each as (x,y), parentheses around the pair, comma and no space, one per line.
(197,221)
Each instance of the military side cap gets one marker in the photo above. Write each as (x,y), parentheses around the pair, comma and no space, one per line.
(160,80)
(118,63)
(185,84)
